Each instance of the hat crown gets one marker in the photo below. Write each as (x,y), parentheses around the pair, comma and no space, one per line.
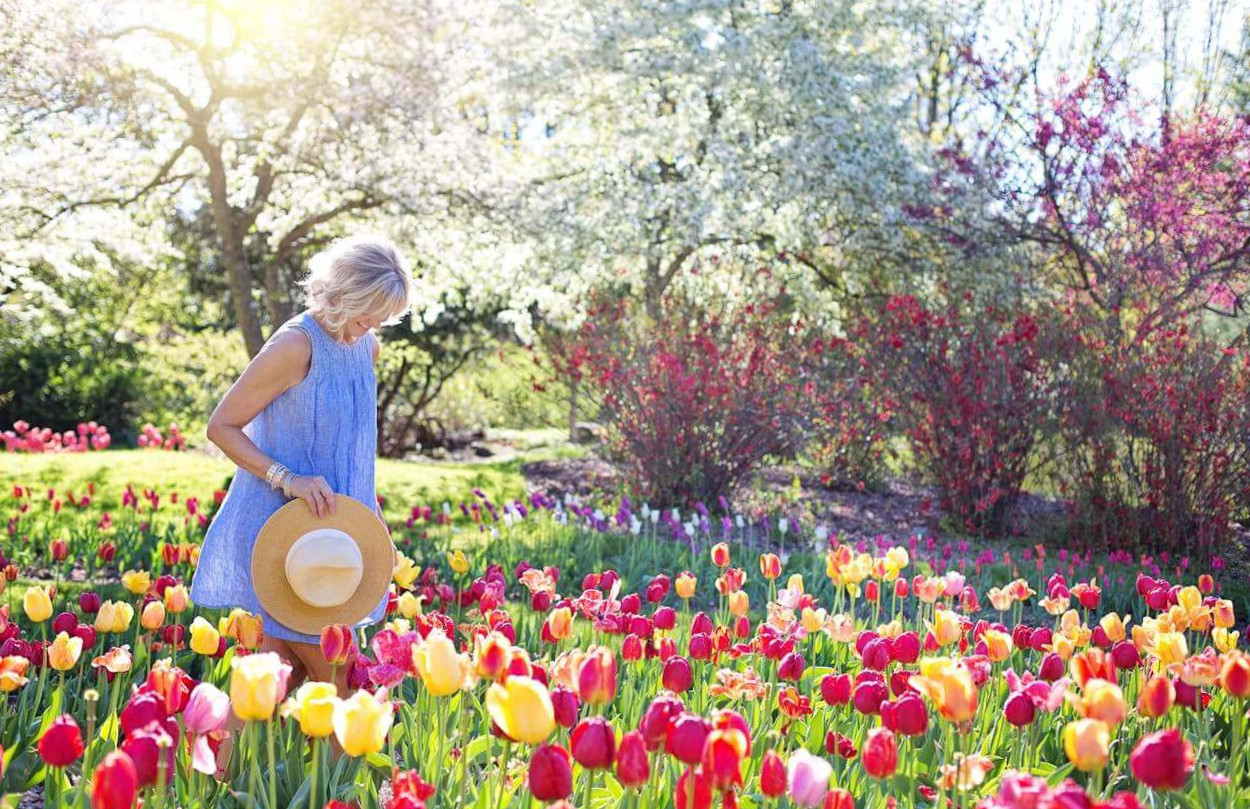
(324,567)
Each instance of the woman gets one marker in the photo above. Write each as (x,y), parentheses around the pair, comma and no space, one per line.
(302,422)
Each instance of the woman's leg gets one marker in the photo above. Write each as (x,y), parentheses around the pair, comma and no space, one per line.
(316,667)
(285,650)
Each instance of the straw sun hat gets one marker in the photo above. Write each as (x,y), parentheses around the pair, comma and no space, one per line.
(310,573)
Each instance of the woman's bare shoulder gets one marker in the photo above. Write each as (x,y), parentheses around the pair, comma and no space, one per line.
(287,355)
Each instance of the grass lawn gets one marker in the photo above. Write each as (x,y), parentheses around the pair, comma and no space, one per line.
(403,484)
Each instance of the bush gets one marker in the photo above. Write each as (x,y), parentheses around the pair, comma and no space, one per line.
(849,435)
(696,400)
(63,378)
(972,389)
(1158,456)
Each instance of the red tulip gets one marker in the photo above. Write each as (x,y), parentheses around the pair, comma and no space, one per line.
(906,648)
(336,644)
(61,744)
(632,765)
(791,667)
(677,676)
(1020,710)
(693,790)
(144,708)
(114,782)
(1052,665)
(65,622)
(593,743)
(880,753)
(1163,760)
(631,649)
(773,775)
(838,798)
(145,748)
(565,706)
(700,646)
(550,773)
(907,715)
(701,624)
(665,618)
(596,682)
(835,689)
(869,695)
(723,752)
(657,719)
(686,736)
(1156,697)
(59,549)
(89,602)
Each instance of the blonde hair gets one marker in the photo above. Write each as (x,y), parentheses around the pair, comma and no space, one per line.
(356,275)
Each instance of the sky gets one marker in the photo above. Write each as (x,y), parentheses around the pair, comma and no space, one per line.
(1135,38)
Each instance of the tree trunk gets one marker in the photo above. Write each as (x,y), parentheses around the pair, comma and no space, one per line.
(230,243)
(277,300)
(573,386)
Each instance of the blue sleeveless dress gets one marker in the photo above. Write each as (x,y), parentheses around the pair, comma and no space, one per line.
(325,425)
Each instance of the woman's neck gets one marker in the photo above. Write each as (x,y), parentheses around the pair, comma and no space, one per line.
(334,335)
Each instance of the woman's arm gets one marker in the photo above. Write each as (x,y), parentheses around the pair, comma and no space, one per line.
(281,364)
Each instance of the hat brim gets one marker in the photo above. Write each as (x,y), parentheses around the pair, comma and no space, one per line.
(291,522)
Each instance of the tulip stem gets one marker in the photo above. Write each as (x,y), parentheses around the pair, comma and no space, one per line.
(312,778)
(273,772)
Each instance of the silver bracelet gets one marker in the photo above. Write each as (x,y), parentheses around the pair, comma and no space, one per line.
(277,471)
(288,478)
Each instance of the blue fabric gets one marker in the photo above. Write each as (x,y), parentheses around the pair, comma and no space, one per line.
(326,425)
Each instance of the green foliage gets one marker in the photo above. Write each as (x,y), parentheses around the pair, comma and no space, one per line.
(185,375)
(62,377)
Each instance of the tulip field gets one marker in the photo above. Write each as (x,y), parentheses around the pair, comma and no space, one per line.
(550,652)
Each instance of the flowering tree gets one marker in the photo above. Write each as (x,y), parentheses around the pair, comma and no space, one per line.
(664,135)
(284,120)
(1146,224)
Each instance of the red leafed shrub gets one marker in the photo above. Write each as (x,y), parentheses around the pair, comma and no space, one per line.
(696,400)
(972,388)
(1159,457)
(850,435)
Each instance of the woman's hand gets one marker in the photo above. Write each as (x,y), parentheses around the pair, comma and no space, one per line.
(314,491)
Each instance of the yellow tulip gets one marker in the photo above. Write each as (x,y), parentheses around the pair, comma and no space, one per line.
(123,614)
(13,673)
(1103,701)
(1224,614)
(813,619)
(1113,626)
(685,585)
(946,627)
(176,599)
(409,605)
(521,707)
(205,639)
(1170,647)
(64,652)
(152,617)
(1087,743)
(405,572)
(997,645)
(361,723)
(1225,641)
(137,581)
(314,705)
(458,562)
(795,583)
(37,604)
(443,671)
(257,684)
(948,683)
(106,615)
(246,629)
(739,602)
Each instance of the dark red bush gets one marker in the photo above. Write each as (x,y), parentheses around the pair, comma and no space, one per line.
(972,388)
(696,400)
(1157,452)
